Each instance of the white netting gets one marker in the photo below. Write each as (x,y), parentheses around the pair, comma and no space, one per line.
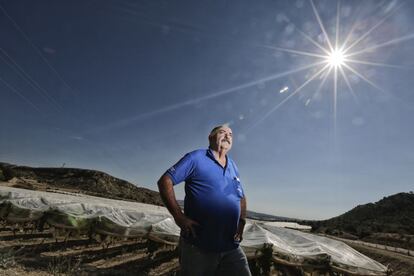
(132,219)
(296,247)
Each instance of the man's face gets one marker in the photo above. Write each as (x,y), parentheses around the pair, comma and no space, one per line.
(222,139)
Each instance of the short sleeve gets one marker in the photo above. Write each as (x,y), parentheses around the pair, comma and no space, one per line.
(182,170)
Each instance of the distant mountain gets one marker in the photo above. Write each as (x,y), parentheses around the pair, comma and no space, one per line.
(267,217)
(90,182)
(256,215)
(392,214)
(390,221)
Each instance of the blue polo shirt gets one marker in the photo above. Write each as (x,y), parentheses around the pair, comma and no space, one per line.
(212,198)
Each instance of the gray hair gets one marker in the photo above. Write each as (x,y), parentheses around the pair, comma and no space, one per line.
(214,130)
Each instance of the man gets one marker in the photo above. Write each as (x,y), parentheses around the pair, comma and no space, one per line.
(214,209)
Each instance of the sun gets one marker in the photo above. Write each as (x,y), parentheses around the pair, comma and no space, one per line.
(336,58)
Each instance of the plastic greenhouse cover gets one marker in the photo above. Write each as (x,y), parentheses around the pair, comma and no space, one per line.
(129,219)
(296,247)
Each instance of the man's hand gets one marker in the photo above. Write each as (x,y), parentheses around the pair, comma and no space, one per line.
(165,185)
(187,225)
(239,234)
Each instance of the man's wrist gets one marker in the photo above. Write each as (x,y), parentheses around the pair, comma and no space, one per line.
(242,220)
(178,215)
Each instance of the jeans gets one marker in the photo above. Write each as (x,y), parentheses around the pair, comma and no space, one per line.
(196,262)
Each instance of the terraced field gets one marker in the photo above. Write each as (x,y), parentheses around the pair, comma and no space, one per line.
(53,252)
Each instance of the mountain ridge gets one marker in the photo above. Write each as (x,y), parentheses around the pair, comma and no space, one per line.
(389,221)
(86,181)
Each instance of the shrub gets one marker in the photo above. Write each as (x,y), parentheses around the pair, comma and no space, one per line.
(64,266)
(8,257)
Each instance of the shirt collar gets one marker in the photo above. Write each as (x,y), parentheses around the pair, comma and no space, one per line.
(211,155)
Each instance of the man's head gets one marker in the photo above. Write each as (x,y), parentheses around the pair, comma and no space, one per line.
(221,138)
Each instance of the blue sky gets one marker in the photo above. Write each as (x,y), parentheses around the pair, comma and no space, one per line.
(128,87)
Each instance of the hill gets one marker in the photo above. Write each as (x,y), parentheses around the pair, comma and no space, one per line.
(388,221)
(90,182)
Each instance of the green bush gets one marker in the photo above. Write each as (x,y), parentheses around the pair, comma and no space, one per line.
(2,177)
(262,264)
(64,266)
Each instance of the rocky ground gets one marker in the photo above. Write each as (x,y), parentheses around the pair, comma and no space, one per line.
(23,252)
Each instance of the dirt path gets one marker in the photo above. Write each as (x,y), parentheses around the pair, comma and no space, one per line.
(401,265)
(400,250)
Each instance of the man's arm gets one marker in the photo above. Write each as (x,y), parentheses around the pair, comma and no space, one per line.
(166,188)
(243,208)
(242,220)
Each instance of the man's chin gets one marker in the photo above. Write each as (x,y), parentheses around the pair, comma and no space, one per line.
(225,146)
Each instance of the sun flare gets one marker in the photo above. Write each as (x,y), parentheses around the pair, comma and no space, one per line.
(336,58)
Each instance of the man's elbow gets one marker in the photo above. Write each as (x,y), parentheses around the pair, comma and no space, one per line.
(243,203)
(164,182)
